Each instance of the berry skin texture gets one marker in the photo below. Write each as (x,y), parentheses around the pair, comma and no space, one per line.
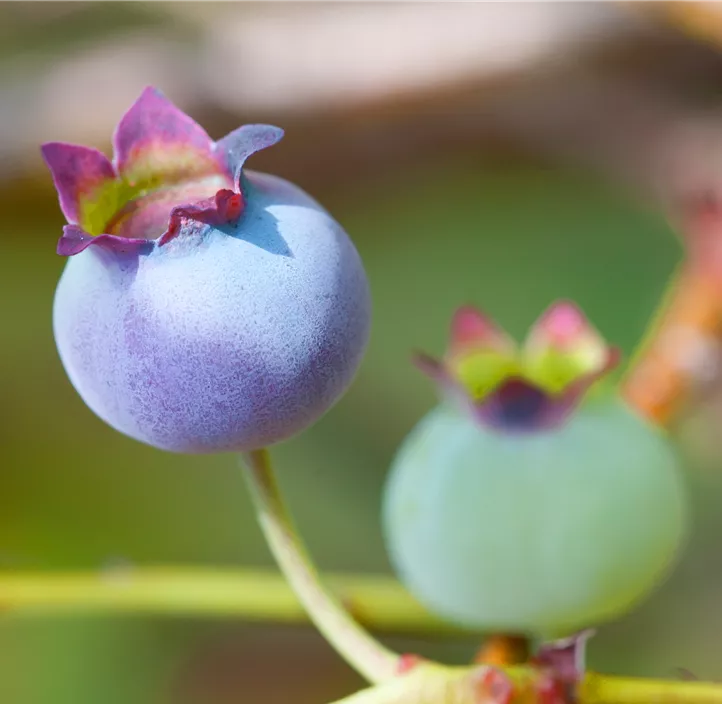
(544,533)
(223,344)
(203,308)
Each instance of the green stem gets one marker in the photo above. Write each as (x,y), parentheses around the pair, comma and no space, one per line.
(380,603)
(371,659)
(444,685)
(607,689)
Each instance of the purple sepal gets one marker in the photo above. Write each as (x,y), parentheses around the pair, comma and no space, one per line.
(154,144)
(154,123)
(439,373)
(565,658)
(75,240)
(432,367)
(225,207)
(77,172)
(518,405)
(236,147)
(514,396)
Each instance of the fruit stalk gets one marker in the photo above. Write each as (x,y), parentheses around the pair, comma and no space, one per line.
(360,650)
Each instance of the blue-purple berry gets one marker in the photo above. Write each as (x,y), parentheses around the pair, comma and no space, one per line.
(203,308)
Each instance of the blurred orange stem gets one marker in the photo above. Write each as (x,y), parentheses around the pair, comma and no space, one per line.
(503,649)
(701,20)
(681,354)
(363,652)
(675,360)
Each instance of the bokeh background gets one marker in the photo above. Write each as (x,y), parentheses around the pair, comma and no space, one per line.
(500,154)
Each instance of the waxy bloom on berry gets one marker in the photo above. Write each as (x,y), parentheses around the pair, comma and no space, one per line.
(203,307)
(528,502)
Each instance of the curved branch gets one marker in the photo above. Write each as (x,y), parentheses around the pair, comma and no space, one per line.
(363,652)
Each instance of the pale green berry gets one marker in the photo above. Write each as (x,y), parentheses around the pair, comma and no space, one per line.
(542,532)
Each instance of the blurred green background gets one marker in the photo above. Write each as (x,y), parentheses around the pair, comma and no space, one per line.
(453,191)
